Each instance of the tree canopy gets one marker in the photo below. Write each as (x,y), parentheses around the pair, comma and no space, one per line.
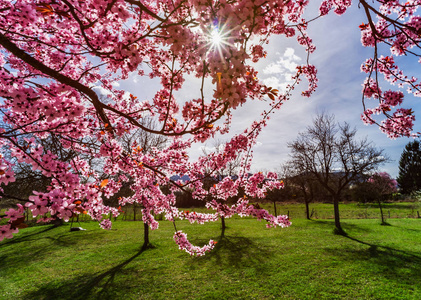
(56,54)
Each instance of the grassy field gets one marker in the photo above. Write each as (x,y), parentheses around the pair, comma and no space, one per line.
(325,210)
(317,210)
(305,261)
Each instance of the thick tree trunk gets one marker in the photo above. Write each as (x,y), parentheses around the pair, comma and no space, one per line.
(338,226)
(145,236)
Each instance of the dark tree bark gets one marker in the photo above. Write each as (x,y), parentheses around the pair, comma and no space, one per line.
(146,243)
(307,209)
(338,227)
(381,212)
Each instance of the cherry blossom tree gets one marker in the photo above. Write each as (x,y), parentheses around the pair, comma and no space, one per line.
(56,54)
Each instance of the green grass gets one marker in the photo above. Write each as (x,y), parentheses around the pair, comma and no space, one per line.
(347,211)
(297,210)
(305,261)
(352,210)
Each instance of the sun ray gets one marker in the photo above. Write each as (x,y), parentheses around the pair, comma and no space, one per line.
(218,37)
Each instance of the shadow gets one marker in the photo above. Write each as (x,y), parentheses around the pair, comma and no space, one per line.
(345,226)
(390,250)
(393,264)
(87,286)
(339,231)
(384,223)
(237,251)
(36,246)
(407,229)
(322,222)
(25,237)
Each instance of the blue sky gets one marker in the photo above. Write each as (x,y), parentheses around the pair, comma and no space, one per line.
(338,58)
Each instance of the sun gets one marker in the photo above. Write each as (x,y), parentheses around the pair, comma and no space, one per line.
(215,37)
(218,37)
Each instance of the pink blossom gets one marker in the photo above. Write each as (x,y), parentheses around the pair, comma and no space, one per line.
(6,232)
(181,240)
(106,224)
(13,214)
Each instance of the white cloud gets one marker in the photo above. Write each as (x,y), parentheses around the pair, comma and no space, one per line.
(287,62)
(282,70)
(101,92)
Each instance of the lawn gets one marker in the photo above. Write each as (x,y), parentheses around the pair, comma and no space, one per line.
(351,210)
(305,261)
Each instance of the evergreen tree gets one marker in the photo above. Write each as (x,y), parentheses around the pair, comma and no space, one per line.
(409,178)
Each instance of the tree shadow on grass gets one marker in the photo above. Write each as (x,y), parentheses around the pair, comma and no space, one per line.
(406,229)
(26,254)
(38,245)
(393,264)
(26,237)
(345,226)
(238,251)
(88,286)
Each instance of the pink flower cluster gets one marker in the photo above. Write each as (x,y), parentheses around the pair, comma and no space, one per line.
(7,231)
(183,243)
(339,7)
(399,28)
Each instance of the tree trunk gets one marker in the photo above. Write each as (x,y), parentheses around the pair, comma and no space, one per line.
(134,211)
(145,236)
(338,226)
(381,211)
(58,222)
(223,226)
(274,206)
(307,209)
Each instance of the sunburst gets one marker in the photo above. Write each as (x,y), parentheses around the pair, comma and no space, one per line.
(218,37)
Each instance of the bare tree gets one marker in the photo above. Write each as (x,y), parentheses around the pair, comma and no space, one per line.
(332,153)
